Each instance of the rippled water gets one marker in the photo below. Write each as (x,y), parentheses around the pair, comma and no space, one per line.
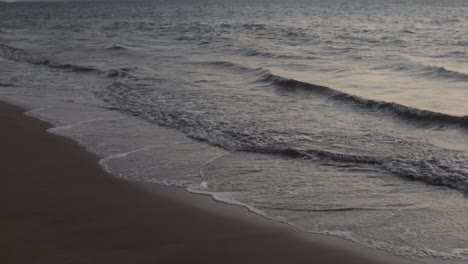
(338,117)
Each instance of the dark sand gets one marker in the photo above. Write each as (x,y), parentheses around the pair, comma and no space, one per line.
(58,206)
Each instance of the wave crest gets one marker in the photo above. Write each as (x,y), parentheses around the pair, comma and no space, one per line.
(425,117)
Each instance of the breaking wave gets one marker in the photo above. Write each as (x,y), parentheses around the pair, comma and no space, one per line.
(448,169)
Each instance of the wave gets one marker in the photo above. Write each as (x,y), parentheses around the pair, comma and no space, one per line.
(7,85)
(318,154)
(120,73)
(266,54)
(441,72)
(20,55)
(451,172)
(117,47)
(72,67)
(425,117)
(238,68)
(339,209)
(271,55)
(427,71)
(448,169)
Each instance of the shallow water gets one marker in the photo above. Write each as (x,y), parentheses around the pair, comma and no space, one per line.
(339,118)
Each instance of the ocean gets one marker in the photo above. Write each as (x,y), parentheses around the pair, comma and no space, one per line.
(343,118)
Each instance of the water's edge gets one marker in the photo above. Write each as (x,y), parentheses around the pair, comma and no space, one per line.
(218,197)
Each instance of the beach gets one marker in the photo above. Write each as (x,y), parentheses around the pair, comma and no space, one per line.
(59,206)
(234,131)
(221,131)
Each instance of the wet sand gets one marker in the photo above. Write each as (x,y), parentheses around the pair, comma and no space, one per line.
(59,206)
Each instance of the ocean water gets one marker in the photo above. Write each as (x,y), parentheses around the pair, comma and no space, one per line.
(345,118)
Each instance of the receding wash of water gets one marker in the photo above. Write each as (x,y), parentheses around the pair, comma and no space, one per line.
(344,118)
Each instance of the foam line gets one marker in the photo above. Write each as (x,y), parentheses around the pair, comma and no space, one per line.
(125,154)
(32,112)
(221,197)
(204,183)
(405,251)
(51,130)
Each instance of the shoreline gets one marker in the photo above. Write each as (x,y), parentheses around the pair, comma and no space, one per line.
(63,207)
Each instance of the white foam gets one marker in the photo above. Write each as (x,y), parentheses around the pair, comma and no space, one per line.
(204,185)
(125,154)
(461,252)
(227,198)
(224,197)
(202,175)
(36,111)
(66,127)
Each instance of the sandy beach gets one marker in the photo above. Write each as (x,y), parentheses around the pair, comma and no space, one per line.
(59,206)
(258,131)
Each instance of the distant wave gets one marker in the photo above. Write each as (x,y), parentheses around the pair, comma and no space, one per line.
(239,68)
(445,73)
(427,71)
(266,54)
(6,85)
(263,75)
(270,55)
(120,73)
(20,55)
(117,47)
(72,67)
(441,72)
